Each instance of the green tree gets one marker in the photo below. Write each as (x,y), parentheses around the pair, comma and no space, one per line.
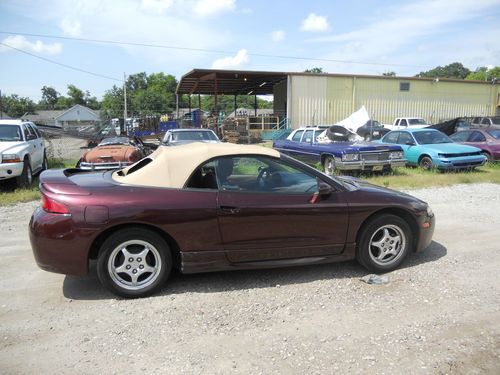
(76,95)
(484,74)
(454,70)
(49,98)
(389,74)
(16,106)
(112,102)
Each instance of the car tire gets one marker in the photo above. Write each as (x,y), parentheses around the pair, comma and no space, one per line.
(134,262)
(45,163)
(384,243)
(329,165)
(26,177)
(489,159)
(426,163)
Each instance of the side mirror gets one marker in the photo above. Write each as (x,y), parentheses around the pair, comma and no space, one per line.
(410,143)
(324,189)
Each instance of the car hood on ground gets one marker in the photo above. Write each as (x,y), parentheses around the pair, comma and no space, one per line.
(451,148)
(6,147)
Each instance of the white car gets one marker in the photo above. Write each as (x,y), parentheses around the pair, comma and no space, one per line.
(22,151)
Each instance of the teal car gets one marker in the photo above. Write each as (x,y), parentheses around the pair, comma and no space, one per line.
(429,148)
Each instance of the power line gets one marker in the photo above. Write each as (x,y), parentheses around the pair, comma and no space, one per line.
(61,64)
(149,45)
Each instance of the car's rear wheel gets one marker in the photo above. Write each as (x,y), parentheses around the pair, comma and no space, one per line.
(384,243)
(329,165)
(426,163)
(26,177)
(134,262)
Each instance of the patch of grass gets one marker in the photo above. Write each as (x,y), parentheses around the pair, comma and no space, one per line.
(10,194)
(415,178)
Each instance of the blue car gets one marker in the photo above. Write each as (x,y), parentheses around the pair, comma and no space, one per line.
(429,148)
(345,154)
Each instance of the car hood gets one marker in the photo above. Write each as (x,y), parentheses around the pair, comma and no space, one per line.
(6,147)
(451,148)
(364,187)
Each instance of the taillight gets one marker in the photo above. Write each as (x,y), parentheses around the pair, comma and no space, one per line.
(53,206)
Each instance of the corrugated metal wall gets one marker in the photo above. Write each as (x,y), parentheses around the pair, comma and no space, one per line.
(327,99)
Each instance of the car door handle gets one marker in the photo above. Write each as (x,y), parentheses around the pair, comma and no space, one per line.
(230,209)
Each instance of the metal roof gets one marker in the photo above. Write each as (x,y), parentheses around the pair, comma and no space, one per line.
(229,82)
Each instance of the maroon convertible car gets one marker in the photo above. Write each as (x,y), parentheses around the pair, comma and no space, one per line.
(207,207)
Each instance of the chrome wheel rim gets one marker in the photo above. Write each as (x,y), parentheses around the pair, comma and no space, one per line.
(426,163)
(387,244)
(329,166)
(134,265)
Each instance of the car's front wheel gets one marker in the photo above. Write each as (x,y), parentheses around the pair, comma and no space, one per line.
(329,165)
(384,243)
(134,262)
(426,163)
(26,177)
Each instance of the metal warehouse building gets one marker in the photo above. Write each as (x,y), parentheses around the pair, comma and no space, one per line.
(313,99)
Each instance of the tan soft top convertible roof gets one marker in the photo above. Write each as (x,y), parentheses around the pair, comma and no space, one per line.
(172,166)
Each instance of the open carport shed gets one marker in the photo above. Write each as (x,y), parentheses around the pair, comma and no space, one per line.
(228,82)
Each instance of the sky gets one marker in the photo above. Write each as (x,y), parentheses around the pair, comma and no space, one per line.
(355,37)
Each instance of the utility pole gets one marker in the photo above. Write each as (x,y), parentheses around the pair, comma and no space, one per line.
(124,102)
(1,109)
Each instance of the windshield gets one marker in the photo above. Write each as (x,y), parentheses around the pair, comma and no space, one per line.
(194,136)
(114,141)
(417,121)
(494,133)
(431,137)
(10,133)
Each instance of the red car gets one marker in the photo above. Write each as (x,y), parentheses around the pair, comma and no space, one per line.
(488,140)
(209,207)
(112,153)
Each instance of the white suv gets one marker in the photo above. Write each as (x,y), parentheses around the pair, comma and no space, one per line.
(22,151)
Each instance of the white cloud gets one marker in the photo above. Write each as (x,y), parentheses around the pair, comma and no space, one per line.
(205,8)
(159,6)
(315,23)
(429,25)
(71,27)
(20,42)
(231,62)
(278,35)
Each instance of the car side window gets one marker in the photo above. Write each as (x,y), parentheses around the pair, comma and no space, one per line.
(404,138)
(485,121)
(27,132)
(403,123)
(391,137)
(477,137)
(33,130)
(308,136)
(296,137)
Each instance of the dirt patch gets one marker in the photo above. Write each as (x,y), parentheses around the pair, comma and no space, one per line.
(439,314)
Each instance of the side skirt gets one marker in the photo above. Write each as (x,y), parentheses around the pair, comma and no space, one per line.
(211,261)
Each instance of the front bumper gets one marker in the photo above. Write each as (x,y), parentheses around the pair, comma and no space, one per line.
(103,166)
(10,170)
(460,163)
(426,226)
(368,165)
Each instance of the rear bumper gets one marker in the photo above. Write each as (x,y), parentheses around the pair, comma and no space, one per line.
(103,166)
(10,170)
(57,245)
(368,165)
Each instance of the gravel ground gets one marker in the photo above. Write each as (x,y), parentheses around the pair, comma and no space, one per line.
(439,314)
